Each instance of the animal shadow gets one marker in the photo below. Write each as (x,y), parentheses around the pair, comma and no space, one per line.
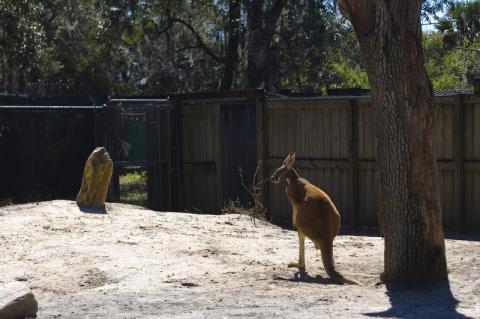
(303,276)
(90,210)
(432,301)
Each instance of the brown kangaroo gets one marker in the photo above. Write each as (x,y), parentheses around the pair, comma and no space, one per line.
(314,216)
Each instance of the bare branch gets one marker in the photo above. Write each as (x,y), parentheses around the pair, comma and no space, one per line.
(201,44)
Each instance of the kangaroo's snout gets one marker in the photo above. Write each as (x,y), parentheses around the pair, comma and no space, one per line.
(274,179)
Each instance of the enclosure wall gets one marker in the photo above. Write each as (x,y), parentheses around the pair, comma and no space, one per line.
(44,149)
(335,145)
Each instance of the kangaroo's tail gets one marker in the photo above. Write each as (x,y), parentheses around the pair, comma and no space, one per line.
(329,264)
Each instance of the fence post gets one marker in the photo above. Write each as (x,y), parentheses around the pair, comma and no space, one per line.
(460,220)
(262,145)
(113,122)
(179,180)
(353,159)
(168,157)
(218,155)
(153,167)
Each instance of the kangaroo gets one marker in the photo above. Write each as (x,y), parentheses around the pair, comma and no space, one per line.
(314,216)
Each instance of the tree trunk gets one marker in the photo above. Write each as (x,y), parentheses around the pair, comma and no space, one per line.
(389,34)
(233,41)
(261,28)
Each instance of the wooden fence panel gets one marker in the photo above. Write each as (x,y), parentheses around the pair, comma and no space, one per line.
(446,186)
(472,129)
(367,143)
(472,197)
(200,156)
(444,117)
(368,196)
(318,130)
(238,150)
(314,131)
(472,163)
(335,144)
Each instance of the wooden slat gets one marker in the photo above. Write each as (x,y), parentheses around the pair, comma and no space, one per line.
(200,135)
(353,159)
(472,201)
(218,156)
(262,130)
(459,164)
(476,131)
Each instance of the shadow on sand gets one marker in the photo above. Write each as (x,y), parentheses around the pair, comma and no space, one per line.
(434,301)
(303,276)
(90,210)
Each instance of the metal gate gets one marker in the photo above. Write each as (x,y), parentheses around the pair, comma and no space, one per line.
(141,142)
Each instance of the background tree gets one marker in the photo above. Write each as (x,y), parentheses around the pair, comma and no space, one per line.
(460,25)
(314,49)
(389,34)
(452,51)
(21,44)
(262,18)
(460,28)
(128,47)
(445,67)
(160,47)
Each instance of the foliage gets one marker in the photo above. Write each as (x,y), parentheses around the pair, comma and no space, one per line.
(453,53)
(158,47)
(308,34)
(20,43)
(432,8)
(461,25)
(346,63)
(133,188)
(444,67)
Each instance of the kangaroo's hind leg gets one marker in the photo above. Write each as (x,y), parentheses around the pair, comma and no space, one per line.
(301,253)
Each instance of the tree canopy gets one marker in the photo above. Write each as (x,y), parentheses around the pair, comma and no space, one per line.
(160,47)
(453,50)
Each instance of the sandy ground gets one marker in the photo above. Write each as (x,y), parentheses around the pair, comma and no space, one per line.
(136,263)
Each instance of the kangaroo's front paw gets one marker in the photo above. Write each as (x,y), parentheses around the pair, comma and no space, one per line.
(296,265)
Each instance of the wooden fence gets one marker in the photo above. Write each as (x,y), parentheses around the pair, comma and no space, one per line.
(217,134)
(335,145)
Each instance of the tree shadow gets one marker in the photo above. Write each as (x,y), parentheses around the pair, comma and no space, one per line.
(433,301)
(303,276)
(92,210)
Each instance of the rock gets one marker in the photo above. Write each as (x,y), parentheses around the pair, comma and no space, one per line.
(17,301)
(96,179)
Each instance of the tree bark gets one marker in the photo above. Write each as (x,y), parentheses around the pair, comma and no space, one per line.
(389,34)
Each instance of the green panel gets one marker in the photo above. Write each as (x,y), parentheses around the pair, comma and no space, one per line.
(137,139)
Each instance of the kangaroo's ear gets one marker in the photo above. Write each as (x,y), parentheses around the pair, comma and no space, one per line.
(291,160)
(285,161)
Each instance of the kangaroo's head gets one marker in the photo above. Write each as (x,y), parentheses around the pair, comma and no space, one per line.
(284,171)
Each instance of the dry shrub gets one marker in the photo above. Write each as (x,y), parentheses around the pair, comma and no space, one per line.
(255,209)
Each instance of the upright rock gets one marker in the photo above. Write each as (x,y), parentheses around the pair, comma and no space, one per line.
(96,179)
(17,301)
